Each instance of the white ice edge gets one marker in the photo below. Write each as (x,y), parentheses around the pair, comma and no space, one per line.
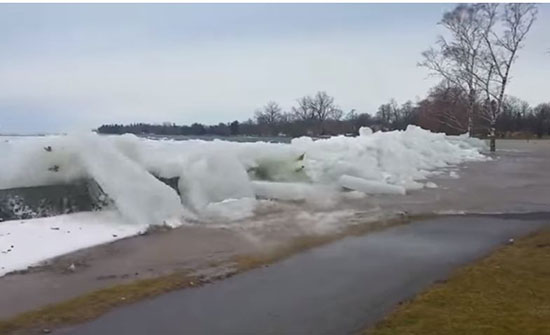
(211,172)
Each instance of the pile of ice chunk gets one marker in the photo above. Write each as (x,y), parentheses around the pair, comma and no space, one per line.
(224,178)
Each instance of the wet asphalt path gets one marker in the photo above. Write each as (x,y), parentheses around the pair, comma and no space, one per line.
(339,288)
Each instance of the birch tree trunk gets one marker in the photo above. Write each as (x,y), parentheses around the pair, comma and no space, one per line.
(471,106)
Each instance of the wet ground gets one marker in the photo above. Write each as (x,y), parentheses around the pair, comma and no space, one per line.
(516,180)
(335,289)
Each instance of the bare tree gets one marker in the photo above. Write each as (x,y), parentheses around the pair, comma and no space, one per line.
(386,113)
(443,110)
(270,115)
(458,60)
(303,111)
(452,113)
(337,114)
(317,110)
(323,107)
(502,43)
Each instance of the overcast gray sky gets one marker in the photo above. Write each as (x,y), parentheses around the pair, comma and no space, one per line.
(73,67)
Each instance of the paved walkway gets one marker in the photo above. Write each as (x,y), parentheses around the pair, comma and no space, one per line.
(335,289)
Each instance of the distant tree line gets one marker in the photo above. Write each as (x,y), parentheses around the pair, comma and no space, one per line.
(168,128)
(445,109)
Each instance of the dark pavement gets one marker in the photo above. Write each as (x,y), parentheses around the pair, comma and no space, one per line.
(339,288)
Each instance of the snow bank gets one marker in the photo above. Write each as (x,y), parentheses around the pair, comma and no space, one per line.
(222,178)
(28,242)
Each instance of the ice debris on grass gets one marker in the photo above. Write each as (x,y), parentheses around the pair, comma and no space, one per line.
(24,243)
(223,178)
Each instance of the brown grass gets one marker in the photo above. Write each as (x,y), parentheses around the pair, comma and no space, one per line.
(506,293)
(93,304)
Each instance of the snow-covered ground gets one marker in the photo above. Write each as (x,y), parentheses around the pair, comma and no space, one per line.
(217,180)
(28,242)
